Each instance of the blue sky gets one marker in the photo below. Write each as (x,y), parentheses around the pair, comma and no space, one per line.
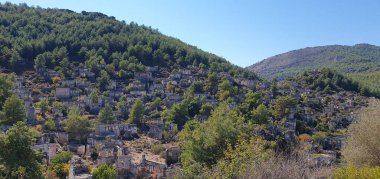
(244,31)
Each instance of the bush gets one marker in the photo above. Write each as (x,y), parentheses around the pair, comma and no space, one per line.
(354,172)
(157,149)
(293,165)
(61,158)
(50,124)
(104,172)
(319,135)
(363,146)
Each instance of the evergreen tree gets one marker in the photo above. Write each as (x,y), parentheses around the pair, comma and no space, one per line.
(14,110)
(103,80)
(44,105)
(282,104)
(156,103)
(260,114)
(137,111)
(212,82)
(6,85)
(225,90)
(17,155)
(77,125)
(122,107)
(94,95)
(203,144)
(106,115)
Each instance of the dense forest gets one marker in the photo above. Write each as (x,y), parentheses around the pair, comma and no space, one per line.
(58,39)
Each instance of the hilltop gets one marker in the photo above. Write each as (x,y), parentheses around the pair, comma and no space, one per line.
(360,58)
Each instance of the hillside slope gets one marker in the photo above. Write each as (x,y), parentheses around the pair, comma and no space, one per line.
(354,60)
(57,38)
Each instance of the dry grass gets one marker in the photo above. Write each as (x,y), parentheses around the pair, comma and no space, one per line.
(296,166)
(363,145)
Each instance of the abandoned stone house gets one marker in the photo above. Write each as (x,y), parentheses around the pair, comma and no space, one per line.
(143,76)
(251,84)
(184,83)
(172,99)
(107,154)
(332,143)
(50,144)
(92,106)
(151,69)
(78,169)
(81,83)
(22,92)
(290,125)
(185,71)
(47,74)
(68,83)
(172,154)
(155,129)
(125,131)
(133,166)
(30,112)
(49,150)
(157,87)
(138,93)
(86,73)
(175,76)
(136,86)
(63,93)
(151,168)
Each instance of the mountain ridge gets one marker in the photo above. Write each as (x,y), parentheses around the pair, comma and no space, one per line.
(310,58)
(361,62)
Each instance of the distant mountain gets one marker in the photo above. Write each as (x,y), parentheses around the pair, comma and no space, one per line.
(361,61)
(359,58)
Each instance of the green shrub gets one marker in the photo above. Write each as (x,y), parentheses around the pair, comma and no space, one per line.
(50,124)
(356,172)
(319,135)
(63,157)
(157,149)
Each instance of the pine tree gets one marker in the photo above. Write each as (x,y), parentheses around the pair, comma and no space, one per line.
(106,115)
(14,110)
(137,111)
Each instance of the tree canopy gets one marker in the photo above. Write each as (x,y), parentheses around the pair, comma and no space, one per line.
(6,85)
(137,111)
(106,115)
(104,172)
(13,110)
(59,38)
(17,155)
(203,144)
(78,125)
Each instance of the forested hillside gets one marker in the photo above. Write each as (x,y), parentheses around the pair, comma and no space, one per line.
(359,61)
(58,39)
